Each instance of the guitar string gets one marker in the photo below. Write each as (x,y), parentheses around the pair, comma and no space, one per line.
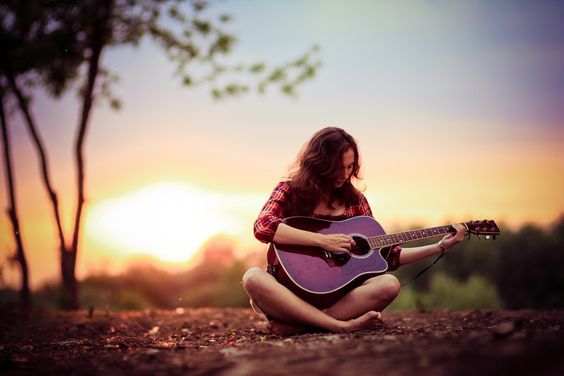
(402,237)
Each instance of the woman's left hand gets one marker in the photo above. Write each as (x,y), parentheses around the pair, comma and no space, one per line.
(450,240)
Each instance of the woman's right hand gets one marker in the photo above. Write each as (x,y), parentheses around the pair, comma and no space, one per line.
(329,242)
(336,242)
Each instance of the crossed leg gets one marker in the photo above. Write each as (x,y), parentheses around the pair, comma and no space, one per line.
(357,310)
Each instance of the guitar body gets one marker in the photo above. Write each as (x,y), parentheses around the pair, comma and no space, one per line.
(321,277)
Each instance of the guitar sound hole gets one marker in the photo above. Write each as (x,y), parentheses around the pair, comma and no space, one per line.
(362,247)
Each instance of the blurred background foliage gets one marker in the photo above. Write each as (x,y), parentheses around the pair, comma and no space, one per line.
(521,269)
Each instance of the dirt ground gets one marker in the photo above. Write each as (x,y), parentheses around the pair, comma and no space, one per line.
(236,342)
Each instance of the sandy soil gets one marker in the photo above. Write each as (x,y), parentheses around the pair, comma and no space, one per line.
(236,342)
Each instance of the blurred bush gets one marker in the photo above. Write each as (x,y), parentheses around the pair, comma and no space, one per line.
(525,268)
(446,292)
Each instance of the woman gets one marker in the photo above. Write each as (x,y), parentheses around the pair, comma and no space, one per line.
(321,186)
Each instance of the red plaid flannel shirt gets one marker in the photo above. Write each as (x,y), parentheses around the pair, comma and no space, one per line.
(275,210)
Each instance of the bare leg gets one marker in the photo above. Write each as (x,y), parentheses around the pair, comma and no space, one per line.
(374,294)
(280,303)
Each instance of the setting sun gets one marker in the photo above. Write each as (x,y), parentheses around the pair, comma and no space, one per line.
(169,221)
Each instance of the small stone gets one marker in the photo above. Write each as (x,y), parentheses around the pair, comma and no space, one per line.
(504,329)
(332,338)
(423,362)
(234,351)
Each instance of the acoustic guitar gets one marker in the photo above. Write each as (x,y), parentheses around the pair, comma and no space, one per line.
(322,277)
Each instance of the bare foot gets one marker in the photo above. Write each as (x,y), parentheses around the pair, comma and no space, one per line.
(286,330)
(370,320)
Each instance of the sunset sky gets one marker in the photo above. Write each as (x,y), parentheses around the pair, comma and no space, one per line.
(456,106)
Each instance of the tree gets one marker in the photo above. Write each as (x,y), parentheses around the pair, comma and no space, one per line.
(25,295)
(50,43)
(26,40)
(32,36)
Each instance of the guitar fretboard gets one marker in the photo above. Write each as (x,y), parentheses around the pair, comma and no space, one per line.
(407,236)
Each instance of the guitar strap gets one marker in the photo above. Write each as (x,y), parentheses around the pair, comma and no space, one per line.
(424,270)
(434,262)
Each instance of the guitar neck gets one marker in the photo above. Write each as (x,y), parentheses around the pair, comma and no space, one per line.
(380,241)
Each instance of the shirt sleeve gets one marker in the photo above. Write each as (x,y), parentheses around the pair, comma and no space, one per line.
(272,213)
(393,258)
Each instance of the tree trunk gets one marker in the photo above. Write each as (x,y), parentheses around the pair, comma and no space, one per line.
(69,296)
(25,295)
(99,38)
(32,128)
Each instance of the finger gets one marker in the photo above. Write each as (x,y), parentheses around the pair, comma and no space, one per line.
(462,228)
(345,244)
(338,248)
(347,241)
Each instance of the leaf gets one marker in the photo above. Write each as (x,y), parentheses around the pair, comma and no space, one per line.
(257,68)
(199,6)
(216,93)
(288,89)
(203,27)
(115,104)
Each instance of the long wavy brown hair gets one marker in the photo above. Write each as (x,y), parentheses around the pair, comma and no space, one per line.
(313,174)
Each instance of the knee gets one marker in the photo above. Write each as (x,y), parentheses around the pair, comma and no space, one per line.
(252,278)
(389,286)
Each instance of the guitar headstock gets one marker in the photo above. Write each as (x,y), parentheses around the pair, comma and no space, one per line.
(486,227)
